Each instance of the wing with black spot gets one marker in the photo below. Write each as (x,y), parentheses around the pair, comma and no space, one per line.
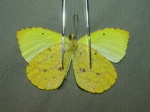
(110,42)
(97,79)
(34,40)
(45,70)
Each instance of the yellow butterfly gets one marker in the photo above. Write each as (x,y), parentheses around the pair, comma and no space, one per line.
(42,49)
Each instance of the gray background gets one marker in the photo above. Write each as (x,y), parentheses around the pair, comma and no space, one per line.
(131,92)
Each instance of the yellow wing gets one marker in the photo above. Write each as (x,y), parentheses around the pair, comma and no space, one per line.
(45,70)
(97,79)
(110,42)
(34,40)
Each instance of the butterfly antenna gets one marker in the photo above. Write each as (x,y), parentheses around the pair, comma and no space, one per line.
(63,29)
(76,23)
(88,31)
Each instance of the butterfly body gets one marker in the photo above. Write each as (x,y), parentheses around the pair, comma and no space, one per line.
(42,49)
(73,44)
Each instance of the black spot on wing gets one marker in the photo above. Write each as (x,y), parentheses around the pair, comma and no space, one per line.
(45,70)
(82,69)
(95,52)
(49,49)
(60,68)
(97,73)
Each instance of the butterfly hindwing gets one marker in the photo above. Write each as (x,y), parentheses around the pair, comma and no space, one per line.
(110,42)
(100,77)
(34,40)
(45,70)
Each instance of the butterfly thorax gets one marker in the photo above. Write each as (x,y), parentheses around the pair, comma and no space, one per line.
(73,43)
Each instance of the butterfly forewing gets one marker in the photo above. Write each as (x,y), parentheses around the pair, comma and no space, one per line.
(34,40)
(109,42)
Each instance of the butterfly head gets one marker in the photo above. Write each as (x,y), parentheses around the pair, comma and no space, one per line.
(72,37)
(73,42)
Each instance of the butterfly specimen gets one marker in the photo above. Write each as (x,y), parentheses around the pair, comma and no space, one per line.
(42,49)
